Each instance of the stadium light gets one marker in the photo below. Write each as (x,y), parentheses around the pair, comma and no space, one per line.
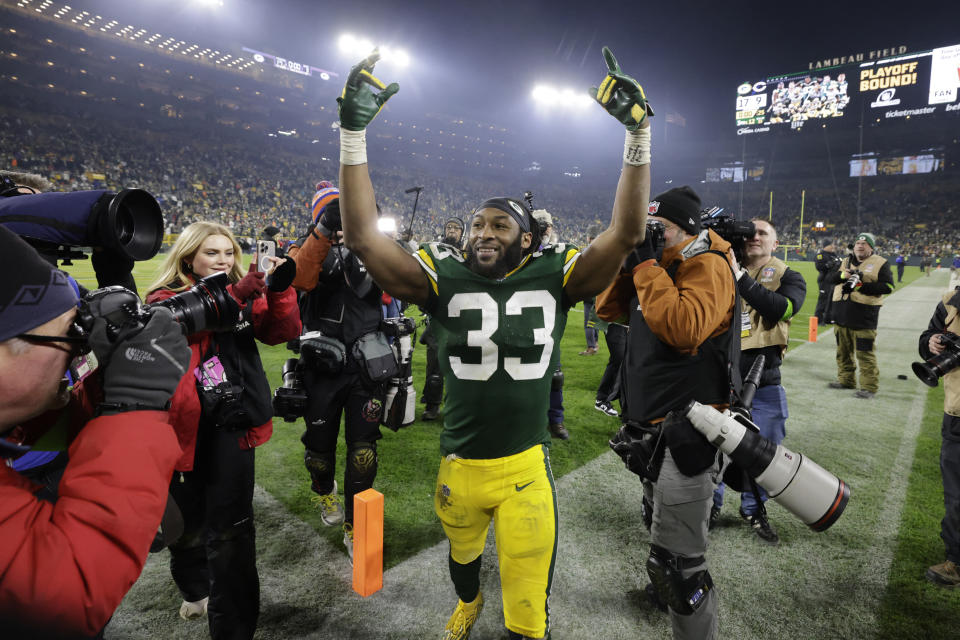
(565,98)
(387,225)
(357,47)
(210,3)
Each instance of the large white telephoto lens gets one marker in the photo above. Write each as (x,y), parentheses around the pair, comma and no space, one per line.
(797,483)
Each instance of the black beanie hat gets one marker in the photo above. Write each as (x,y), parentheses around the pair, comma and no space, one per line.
(32,291)
(456,221)
(679,205)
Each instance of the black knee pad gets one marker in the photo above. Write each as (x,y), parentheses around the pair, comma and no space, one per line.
(321,467)
(319,462)
(683,596)
(362,458)
(864,344)
(556,383)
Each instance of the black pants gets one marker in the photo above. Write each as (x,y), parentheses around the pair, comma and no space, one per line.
(217,556)
(616,337)
(327,400)
(433,387)
(824,303)
(950,471)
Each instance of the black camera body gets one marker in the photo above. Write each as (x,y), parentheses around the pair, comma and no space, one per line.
(398,327)
(734,231)
(324,354)
(656,231)
(831,262)
(290,399)
(941,364)
(223,405)
(204,307)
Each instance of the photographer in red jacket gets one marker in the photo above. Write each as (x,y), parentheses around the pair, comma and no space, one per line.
(221,410)
(67,561)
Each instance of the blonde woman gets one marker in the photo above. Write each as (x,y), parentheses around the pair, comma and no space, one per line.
(221,410)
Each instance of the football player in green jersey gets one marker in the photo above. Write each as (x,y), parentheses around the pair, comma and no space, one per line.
(499,308)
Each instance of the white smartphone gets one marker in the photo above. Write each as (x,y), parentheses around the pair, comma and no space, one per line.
(265,249)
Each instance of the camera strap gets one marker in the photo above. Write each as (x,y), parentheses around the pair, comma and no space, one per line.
(733,331)
(239,358)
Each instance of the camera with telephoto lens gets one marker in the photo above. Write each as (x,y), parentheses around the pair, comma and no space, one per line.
(734,231)
(206,306)
(795,482)
(129,222)
(290,399)
(324,354)
(851,283)
(941,364)
(398,327)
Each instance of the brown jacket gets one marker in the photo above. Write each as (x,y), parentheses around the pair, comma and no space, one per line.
(309,260)
(683,311)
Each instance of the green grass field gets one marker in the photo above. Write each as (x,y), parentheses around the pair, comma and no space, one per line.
(909,606)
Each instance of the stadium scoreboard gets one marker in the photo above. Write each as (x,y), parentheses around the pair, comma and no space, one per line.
(911,84)
(286,64)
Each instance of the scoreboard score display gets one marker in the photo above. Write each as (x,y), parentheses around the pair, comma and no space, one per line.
(913,84)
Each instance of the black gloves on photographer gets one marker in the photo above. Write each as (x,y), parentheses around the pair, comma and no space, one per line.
(640,448)
(646,250)
(851,283)
(330,221)
(142,367)
(282,276)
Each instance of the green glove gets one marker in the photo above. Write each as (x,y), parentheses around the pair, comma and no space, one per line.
(621,95)
(358,104)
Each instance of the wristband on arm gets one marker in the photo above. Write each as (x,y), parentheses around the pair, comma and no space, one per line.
(353,146)
(636,147)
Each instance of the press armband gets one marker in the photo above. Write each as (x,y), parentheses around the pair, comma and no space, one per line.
(353,146)
(636,147)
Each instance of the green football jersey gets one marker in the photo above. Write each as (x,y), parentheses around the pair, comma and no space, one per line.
(498,346)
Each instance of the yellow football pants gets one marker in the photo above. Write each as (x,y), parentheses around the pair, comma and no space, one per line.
(519,494)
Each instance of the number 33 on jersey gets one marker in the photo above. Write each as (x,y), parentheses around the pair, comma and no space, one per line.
(497,343)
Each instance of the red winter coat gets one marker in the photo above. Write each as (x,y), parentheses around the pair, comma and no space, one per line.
(68,565)
(276,319)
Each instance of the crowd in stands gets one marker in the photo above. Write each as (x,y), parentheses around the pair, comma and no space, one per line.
(249,181)
(912,214)
(84,113)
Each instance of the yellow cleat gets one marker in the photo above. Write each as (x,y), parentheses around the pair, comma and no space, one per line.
(461,622)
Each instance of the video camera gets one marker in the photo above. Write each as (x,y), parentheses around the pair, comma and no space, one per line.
(941,364)
(734,231)
(129,222)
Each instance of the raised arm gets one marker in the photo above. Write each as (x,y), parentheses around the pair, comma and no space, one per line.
(625,100)
(396,271)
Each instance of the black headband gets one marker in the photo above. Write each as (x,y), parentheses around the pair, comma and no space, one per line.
(517,211)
